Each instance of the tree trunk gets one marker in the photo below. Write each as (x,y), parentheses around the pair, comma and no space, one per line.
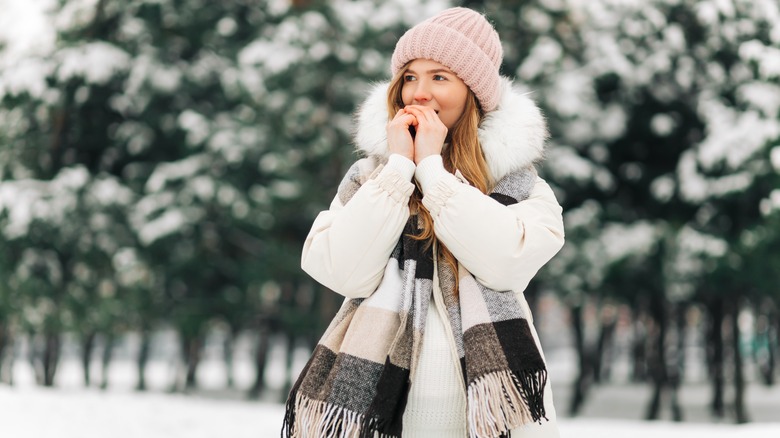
(582,383)
(191,350)
(51,358)
(716,359)
(677,363)
(657,358)
(143,359)
(227,356)
(4,342)
(739,378)
(108,353)
(288,374)
(603,357)
(639,348)
(765,346)
(531,294)
(33,357)
(261,359)
(772,347)
(87,347)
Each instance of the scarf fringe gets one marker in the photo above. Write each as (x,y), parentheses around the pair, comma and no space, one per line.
(503,400)
(371,426)
(309,418)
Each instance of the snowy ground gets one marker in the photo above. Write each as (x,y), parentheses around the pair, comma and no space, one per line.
(37,413)
(70,411)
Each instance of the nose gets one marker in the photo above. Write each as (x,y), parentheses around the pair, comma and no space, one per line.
(422,92)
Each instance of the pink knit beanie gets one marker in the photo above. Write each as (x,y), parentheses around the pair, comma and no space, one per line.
(465,42)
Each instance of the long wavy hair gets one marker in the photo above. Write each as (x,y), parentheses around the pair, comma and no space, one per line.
(462,151)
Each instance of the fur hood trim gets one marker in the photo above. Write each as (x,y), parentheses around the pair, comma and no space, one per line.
(512,136)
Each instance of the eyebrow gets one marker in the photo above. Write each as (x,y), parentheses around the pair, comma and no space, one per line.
(436,70)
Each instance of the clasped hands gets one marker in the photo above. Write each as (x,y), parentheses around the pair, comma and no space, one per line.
(429,137)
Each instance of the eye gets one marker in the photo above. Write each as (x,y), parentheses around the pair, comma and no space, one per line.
(439,78)
(409,78)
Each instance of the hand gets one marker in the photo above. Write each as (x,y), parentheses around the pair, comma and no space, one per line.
(399,139)
(431,132)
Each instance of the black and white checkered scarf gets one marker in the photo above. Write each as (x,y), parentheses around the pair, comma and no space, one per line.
(357,381)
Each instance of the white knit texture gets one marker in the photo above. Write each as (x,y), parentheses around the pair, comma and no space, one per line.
(437,402)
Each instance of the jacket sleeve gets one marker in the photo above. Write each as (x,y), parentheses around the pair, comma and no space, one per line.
(349,244)
(502,246)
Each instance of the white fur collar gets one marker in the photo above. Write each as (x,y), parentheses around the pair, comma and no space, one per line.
(512,136)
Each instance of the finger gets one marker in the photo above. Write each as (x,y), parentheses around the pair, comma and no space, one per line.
(409,119)
(426,119)
(404,121)
(422,111)
(399,114)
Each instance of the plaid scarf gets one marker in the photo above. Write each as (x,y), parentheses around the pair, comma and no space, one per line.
(356,382)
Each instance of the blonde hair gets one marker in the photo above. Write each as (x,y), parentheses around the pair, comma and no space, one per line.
(463,153)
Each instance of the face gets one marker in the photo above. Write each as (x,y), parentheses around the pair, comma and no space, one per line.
(428,83)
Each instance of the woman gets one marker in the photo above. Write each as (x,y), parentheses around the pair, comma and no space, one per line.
(432,238)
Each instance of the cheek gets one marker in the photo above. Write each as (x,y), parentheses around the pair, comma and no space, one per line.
(406,94)
(455,110)
(451,118)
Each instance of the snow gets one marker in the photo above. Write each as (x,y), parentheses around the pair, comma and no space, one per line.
(771,204)
(35,413)
(763,95)
(662,124)
(691,241)
(613,122)
(733,136)
(75,13)
(273,57)
(278,7)
(775,158)
(621,241)
(285,189)
(168,223)
(182,169)
(582,216)
(767,58)
(26,76)
(18,198)
(662,188)
(569,164)
(52,201)
(196,126)
(31,35)
(96,62)
(695,187)
(107,190)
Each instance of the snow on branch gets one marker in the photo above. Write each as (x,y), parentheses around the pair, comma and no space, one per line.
(96,62)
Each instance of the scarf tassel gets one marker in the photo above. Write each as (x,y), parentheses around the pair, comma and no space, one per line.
(503,400)
(308,418)
(315,418)
(371,427)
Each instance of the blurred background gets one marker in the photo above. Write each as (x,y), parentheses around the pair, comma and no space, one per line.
(161,162)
